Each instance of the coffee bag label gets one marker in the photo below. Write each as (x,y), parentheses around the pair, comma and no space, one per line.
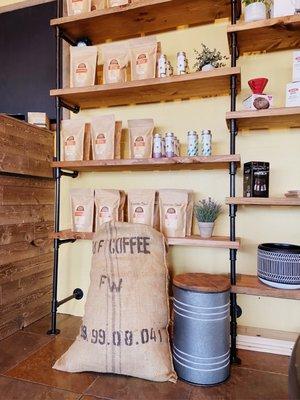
(142,62)
(81,72)
(171,218)
(70,146)
(105,215)
(139,215)
(79,216)
(139,147)
(114,70)
(100,143)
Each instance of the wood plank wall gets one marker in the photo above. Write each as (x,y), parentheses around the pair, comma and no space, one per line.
(26,221)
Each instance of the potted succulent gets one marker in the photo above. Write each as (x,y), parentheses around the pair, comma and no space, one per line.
(207,59)
(206,213)
(255,10)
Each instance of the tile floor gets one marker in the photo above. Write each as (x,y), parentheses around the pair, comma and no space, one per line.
(26,373)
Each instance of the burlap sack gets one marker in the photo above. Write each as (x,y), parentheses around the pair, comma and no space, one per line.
(124,329)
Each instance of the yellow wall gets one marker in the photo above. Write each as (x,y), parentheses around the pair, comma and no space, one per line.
(254,225)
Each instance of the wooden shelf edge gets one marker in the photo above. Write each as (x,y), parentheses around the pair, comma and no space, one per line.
(193,241)
(175,163)
(101,13)
(267,23)
(271,112)
(259,201)
(288,117)
(218,72)
(147,16)
(251,285)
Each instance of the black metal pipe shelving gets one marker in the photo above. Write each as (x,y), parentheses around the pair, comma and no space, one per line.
(235,310)
(58,173)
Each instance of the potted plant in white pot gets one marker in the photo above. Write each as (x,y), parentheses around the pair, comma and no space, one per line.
(206,213)
(207,59)
(255,10)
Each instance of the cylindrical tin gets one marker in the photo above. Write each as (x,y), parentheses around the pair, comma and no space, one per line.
(170,70)
(182,63)
(193,144)
(176,146)
(163,147)
(157,148)
(170,145)
(278,265)
(201,341)
(206,140)
(162,66)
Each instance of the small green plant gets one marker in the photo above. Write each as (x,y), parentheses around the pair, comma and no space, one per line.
(207,56)
(207,210)
(248,2)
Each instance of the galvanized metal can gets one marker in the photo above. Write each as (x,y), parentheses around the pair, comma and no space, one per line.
(206,141)
(193,144)
(182,63)
(157,146)
(162,66)
(170,145)
(201,340)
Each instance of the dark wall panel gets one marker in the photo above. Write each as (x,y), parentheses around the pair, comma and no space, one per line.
(27,53)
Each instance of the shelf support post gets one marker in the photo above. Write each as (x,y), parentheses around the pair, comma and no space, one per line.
(232,172)
(57,174)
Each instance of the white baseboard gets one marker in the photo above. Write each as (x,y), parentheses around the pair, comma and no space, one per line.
(265,345)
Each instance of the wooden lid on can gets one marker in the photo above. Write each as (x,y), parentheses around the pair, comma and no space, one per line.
(207,283)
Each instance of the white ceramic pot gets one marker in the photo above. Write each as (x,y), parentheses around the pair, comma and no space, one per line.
(255,12)
(206,229)
(207,67)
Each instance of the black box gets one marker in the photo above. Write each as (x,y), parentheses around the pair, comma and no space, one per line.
(256,179)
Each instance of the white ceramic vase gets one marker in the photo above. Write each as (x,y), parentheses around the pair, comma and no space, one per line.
(255,12)
(207,67)
(206,229)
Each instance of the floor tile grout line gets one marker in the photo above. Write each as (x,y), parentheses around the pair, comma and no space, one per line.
(84,392)
(95,396)
(263,371)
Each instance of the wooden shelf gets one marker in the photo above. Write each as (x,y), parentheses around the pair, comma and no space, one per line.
(165,164)
(265,119)
(269,35)
(193,241)
(258,201)
(145,16)
(251,285)
(194,85)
